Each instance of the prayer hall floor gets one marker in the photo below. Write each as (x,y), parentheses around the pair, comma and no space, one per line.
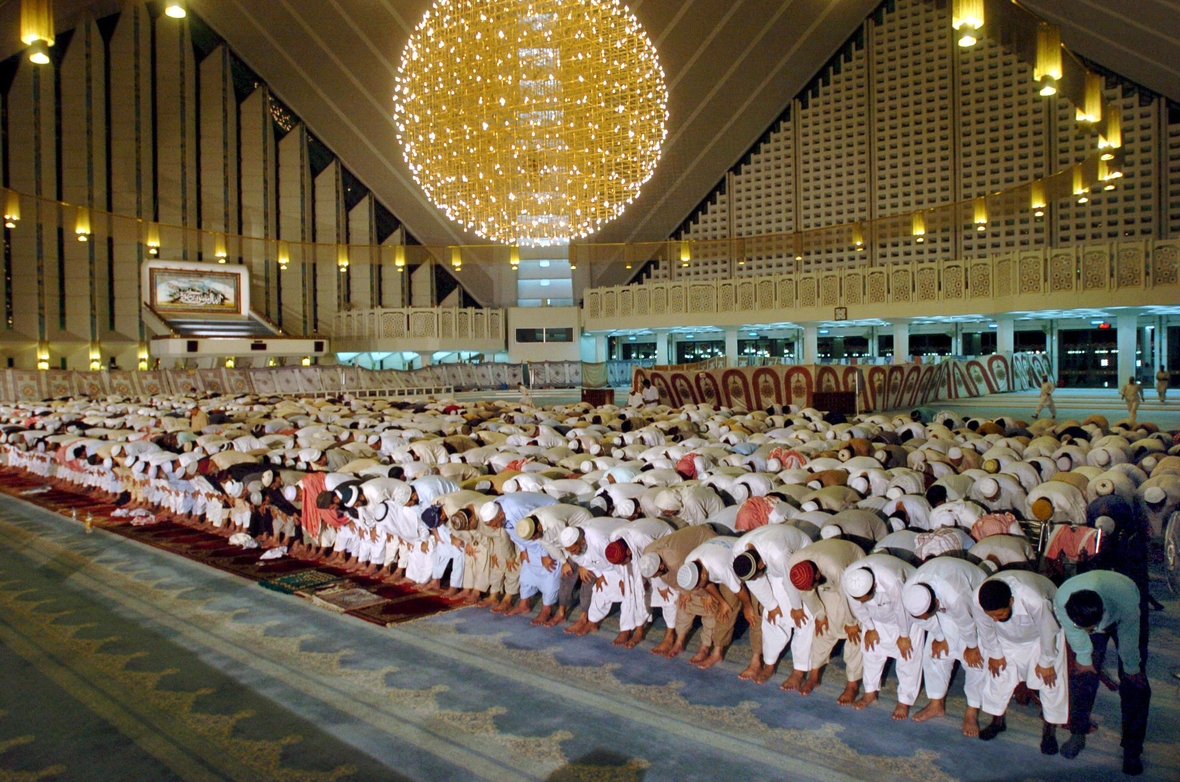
(123,661)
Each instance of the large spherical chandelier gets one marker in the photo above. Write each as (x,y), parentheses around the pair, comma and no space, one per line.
(531,123)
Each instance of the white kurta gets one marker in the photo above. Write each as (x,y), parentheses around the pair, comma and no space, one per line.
(953,581)
(886,614)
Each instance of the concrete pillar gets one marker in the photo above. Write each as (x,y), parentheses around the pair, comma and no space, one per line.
(1051,339)
(662,347)
(957,340)
(1147,345)
(1127,339)
(425,359)
(1005,335)
(901,343)
(1161,343)
(874,346)
(731,346)
(811,343)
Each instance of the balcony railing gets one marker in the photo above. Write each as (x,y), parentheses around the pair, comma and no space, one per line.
(1134,273)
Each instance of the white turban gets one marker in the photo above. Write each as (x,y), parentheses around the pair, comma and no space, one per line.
(917,598)
(858,582)
(649,564)
(688,575)
(831,531)
(570,536)
(488,511)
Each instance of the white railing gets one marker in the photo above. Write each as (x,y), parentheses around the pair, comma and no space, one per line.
(1132,273)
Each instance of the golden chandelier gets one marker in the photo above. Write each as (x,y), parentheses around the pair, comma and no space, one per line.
(530,123)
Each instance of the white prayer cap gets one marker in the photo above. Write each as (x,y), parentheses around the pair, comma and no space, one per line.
(233,488)
(954,453)
(1105,524)
(668,502)
(526,527)
(255,498)
(290,493)
(831,531)
(570,536)
(1154,494)
(625,508)
(810,505)
(773,465)
(401,494)
(688,575)
(649,564)
(488,511)
(893,492)
(310,455)
(917,598)
(858,582)
(989,487)
(1103,486)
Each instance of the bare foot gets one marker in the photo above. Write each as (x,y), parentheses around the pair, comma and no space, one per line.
(971,723)
(489,601)
(577,626)
(700,656)
(636,638)
(717,656)
(503,605)
(589,627)
(522,607)
(557,618)
(901,712)
(472,598)
(865,701)
(450,592)
(763,676)
(794,681)
(935,708)
(752,670)
(543,616)
(663,646)
(849,694)
(622,638)
(433,584)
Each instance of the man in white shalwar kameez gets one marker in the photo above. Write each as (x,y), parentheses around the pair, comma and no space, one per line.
(1023,642)
(585,546)
(941,598)
(760,561)
(873,586)
(624,550)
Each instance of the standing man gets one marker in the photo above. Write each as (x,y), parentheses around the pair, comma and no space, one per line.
(941,597)
(651,396)
(1093,608)
(873,586)
(707,575)
(1132,394)
(1161,383)
(1046,399)
(671,551)
(1023,643)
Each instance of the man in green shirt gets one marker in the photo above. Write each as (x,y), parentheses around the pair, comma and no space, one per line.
(1093,608)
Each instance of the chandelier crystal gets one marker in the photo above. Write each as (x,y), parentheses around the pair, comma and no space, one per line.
(531,123)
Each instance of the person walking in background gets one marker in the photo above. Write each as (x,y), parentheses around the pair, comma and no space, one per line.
(1046,399)
(1161,383)
(1132,394)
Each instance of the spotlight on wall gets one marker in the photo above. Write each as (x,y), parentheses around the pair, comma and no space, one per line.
(39,53)
(12,210)
(175,9)
(82,224)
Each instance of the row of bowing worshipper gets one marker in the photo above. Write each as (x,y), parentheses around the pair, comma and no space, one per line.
(1012,552)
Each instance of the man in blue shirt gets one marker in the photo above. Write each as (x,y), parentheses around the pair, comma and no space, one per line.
(1093,608)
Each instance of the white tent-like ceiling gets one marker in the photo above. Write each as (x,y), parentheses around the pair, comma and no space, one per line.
(732,66)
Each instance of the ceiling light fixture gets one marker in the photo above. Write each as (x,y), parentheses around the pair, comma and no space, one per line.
(175,9)
(530,123)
